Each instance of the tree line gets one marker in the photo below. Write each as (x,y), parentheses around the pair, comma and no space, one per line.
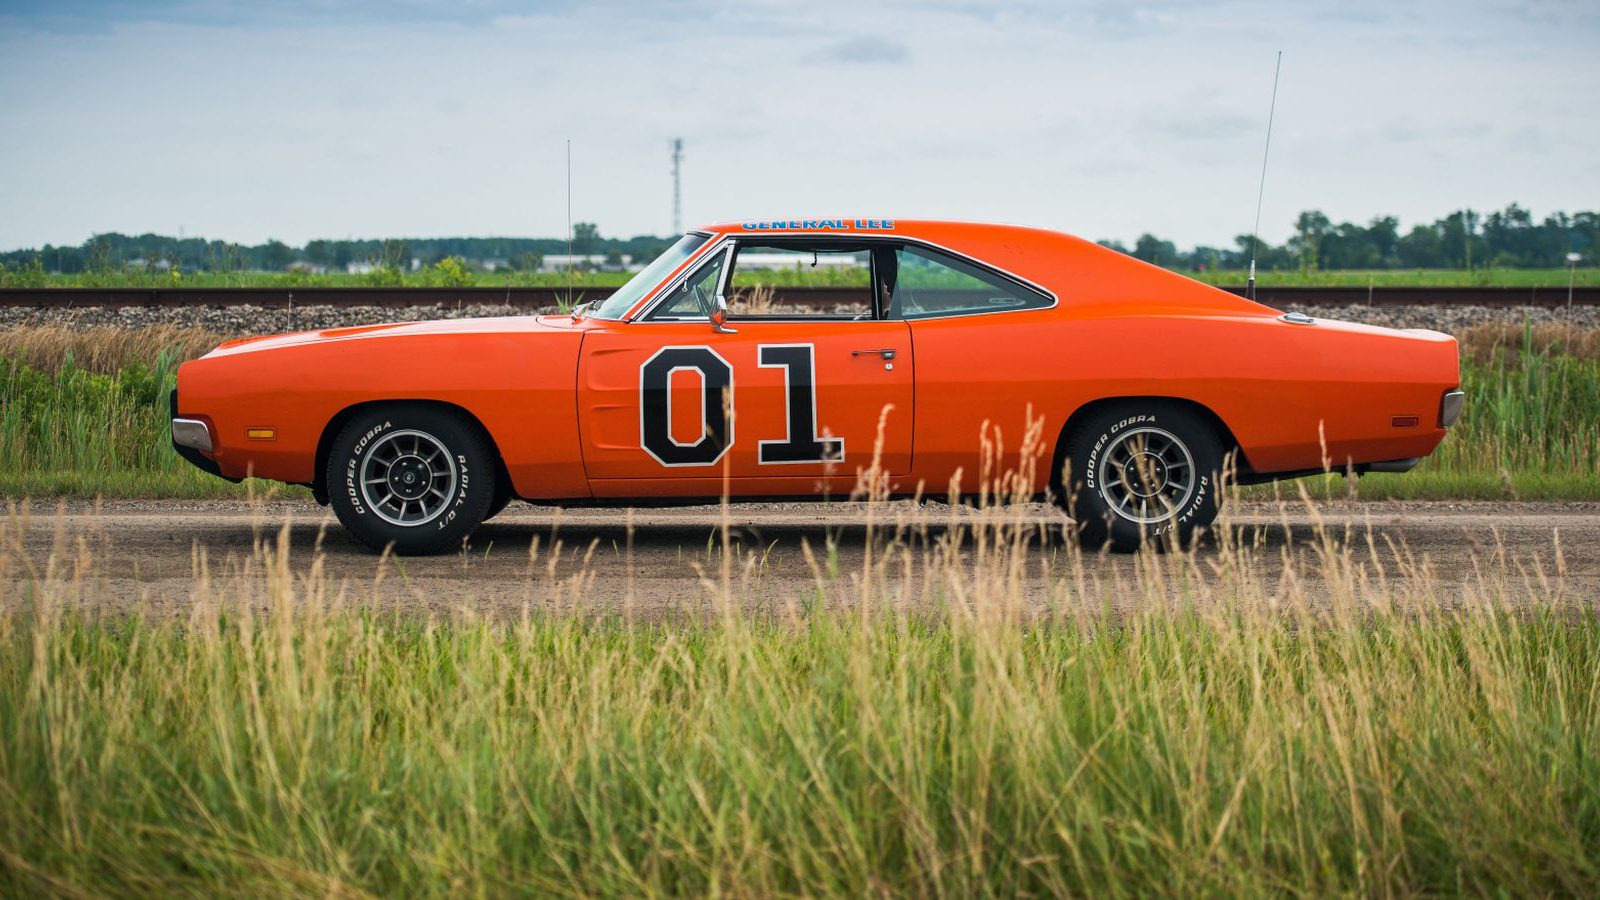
(1465,239)
(114,251)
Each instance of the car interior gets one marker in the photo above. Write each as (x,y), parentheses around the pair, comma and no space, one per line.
(842,279)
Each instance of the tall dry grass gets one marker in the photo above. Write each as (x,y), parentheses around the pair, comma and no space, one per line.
(924,724)
(105,349)
(1489,341)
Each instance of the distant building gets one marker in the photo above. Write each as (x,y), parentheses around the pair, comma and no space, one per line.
(368,266)
(587,262)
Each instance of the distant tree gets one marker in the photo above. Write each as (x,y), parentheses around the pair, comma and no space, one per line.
(276,256)
(1152,249)
(1383,233)
(1422,248)
(585,237)
(1309,229)
(1458,239)
(319,253)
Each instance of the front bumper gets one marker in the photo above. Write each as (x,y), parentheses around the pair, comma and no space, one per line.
(192,439)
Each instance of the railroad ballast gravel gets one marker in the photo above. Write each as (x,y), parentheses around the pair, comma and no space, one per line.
(263,320)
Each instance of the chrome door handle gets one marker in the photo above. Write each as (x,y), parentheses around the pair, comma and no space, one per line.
(886,354)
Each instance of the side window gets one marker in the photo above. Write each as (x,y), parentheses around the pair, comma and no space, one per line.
(791,279)
(928,283)
(696,297)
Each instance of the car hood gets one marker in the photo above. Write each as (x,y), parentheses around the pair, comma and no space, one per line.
(497,325)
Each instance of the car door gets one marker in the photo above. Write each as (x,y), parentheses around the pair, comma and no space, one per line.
(783,399)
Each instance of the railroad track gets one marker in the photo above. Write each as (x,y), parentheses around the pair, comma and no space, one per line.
(552,297)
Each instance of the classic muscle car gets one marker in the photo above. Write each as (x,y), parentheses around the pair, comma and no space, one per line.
(709,375)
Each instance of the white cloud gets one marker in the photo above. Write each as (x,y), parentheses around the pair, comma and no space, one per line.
(1102,119)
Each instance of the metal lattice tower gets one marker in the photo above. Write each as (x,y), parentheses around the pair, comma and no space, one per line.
(677,191)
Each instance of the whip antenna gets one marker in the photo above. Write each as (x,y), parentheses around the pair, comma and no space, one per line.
(1261,189)
(570,221)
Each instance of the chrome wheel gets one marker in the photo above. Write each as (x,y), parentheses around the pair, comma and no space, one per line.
(1146,475)
(408,477)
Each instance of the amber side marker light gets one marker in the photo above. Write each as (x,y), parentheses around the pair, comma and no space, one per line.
(1405,421)
(261,434)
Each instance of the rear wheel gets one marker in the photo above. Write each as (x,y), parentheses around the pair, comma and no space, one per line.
(1142,472)
(413,476)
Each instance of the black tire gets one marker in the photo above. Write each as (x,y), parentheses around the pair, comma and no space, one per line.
(502,497)
(438,471)
(1125,481)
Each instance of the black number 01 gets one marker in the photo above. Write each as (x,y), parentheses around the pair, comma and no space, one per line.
(801,444)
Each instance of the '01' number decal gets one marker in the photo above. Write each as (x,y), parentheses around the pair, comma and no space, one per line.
(801,444)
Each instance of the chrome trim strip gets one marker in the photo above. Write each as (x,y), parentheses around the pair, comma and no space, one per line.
(733,238)
(191,433)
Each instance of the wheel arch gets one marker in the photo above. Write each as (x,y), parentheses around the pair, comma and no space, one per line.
(1059,457)
(330,431)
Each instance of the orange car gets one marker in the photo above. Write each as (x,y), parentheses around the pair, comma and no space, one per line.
(703,377)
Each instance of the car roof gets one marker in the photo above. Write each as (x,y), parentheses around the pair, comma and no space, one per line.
(874,225)
(1090,279)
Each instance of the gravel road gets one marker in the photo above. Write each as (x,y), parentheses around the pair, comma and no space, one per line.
(147,552)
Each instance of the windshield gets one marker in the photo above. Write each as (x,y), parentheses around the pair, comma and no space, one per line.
(618,304)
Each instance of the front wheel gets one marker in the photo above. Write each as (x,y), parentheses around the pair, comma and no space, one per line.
(411,476)
(1142,472)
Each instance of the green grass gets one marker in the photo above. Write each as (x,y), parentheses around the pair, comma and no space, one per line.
(1220,733)
(74,433)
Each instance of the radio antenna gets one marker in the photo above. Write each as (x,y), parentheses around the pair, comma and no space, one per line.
(570,223)
(1261,189)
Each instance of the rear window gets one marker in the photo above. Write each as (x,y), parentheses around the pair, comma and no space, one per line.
(929,284)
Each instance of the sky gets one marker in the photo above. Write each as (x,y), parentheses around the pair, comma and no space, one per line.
(245,121)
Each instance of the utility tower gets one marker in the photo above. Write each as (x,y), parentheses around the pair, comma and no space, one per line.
(677,189)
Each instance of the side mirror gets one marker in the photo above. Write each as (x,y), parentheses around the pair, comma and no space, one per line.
(719,317)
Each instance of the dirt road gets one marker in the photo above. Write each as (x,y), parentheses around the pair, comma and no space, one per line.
(148,552)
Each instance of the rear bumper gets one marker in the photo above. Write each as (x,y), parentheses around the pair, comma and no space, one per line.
(189,436)
(1390,465)
(1450,407)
